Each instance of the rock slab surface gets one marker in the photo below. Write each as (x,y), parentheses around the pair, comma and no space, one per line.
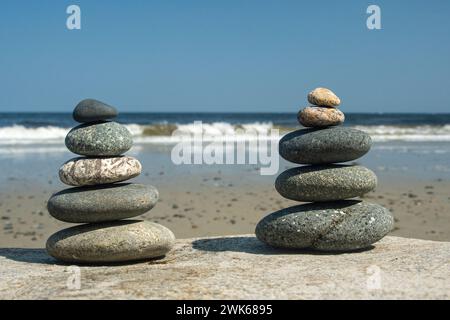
(211,268)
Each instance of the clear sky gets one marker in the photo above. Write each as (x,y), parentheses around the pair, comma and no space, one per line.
(224,55)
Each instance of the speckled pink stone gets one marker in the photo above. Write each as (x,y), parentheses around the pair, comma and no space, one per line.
(320,117)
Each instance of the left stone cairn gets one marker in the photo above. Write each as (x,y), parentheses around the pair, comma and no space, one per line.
(100,199)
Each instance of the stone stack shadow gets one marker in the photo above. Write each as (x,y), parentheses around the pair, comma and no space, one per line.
(100,199)
(330,221)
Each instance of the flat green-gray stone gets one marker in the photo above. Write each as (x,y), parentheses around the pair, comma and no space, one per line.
(99,139)
(102,203)
(323,146)
(118,241)
(333,226)
(325,183)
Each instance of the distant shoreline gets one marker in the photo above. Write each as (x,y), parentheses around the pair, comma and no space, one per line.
(235,112)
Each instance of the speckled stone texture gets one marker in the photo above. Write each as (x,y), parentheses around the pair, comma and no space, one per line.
(323,97)
(95,171)
(327,145)
(211,268)
(91,110)
(320,117)
(99,139)
(332,226)
(325,183)
(102,203)
(118,241)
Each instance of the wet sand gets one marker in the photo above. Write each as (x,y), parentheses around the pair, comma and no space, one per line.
(216,203)
(196,201)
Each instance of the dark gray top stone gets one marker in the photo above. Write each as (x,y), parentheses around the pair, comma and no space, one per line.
(102,203)
(333,226)
(99,139)
(325,183)
(322,146)
(91,110)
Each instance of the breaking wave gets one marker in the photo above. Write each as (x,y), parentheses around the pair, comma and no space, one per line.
(163,132)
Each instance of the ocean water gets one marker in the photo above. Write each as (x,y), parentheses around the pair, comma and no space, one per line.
(405,145)
(44,129)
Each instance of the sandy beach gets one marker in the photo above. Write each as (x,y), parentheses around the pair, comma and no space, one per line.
(197,201)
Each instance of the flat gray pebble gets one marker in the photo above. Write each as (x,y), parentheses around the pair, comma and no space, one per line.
(334,226)
(326,145)
(325,182)
(119,241)
(99,139)
(102,203)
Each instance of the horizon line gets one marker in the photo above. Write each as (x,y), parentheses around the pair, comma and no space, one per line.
(217,112)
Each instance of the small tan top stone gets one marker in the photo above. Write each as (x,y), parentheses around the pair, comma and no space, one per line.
(323,97)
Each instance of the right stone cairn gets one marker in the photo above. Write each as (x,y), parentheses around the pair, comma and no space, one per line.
(331,221)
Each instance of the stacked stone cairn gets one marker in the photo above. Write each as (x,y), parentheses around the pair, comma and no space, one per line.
(99,201)
(332,220)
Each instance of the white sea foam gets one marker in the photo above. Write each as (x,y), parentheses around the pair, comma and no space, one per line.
(407,133)
(30,149)
(16,134)
(162,133)
(209,132)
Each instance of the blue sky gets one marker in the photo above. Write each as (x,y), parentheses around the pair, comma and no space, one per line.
(218,56)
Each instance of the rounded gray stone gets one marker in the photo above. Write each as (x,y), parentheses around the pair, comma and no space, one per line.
(91,110)
(95,171)
(327,145)
(102,203)
(333,226)
(118,241)
(99,139)
(325,183)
